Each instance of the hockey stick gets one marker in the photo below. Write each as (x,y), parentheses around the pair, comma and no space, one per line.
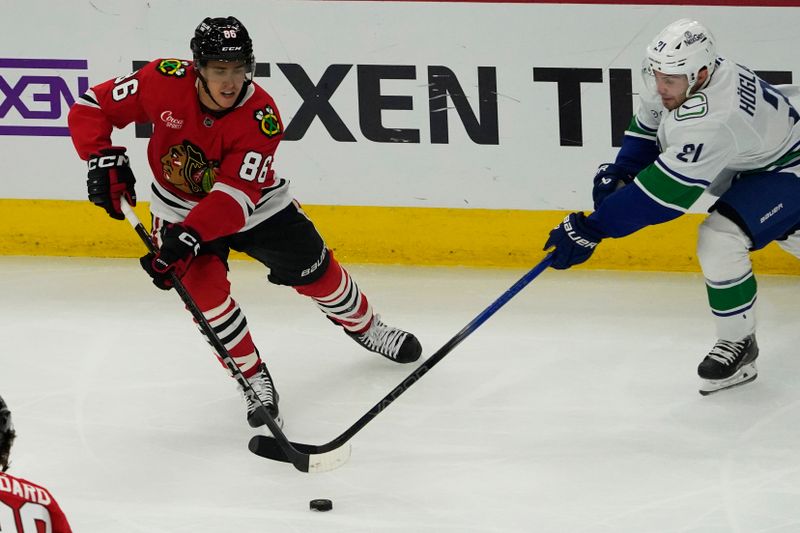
(303,461)
(272,448)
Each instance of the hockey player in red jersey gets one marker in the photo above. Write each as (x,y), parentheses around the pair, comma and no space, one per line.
(212,153)
(25,507)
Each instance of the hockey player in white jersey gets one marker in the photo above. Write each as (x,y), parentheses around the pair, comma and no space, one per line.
(707,124)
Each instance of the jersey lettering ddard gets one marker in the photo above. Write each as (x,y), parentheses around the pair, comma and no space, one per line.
(222,162)
(737,123)
(28,508)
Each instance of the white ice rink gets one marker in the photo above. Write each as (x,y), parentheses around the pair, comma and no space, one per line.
(573,410)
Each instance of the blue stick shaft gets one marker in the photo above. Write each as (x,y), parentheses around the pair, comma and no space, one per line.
(268,447)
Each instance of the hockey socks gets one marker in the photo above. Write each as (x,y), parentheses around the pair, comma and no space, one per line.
(338,296)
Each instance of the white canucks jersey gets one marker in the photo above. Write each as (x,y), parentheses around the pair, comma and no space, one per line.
(738,122)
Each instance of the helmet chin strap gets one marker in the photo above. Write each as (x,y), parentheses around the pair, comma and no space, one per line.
(205,88)
(223,109)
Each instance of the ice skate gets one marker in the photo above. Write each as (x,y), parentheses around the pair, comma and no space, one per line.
(393,343)
(262,385)
(729,364)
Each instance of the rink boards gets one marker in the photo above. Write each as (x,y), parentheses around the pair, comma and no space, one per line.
(389,235)
(416,132)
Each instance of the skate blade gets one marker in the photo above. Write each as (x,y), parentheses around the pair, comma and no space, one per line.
(744,375)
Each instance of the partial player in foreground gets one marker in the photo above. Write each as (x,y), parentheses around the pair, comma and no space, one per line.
(211,153)
(25,507)
(704,123)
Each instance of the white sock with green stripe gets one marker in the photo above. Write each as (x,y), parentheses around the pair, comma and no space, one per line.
(723,251)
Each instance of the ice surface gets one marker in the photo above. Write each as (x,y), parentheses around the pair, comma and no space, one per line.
(573,410)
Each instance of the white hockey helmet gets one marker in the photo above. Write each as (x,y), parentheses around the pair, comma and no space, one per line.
(684,47)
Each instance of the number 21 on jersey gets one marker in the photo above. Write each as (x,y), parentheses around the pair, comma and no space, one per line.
(690,153)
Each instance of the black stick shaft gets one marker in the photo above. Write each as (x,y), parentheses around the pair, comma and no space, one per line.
(300,460)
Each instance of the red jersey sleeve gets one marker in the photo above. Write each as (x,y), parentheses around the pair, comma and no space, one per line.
(112,104)
(60,524)
(245,169)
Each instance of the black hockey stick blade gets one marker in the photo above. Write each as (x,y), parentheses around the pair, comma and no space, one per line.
(272,448)
(304,457)
(266,446)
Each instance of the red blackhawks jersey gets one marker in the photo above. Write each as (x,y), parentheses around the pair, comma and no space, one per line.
(212,172)
(29,508)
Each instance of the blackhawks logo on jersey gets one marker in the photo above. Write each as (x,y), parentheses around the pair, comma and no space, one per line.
(186,167)
(172,67)
(268,121)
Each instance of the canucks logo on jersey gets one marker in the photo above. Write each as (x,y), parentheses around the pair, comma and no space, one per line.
(172,67)
(695,106)
(185,166)
(268,121)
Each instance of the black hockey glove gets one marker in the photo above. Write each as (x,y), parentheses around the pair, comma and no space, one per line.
(573,241)
(608,179)
(110,178)
(179,246)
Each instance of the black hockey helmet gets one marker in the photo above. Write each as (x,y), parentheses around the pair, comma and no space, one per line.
(7,435)
(222,39)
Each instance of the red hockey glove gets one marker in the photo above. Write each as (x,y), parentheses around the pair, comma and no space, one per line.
(180,245)
(110,177)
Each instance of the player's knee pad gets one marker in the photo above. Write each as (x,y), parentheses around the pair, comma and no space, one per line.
(723,248)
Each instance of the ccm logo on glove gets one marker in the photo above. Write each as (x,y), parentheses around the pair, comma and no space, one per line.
(179,246)
(109,179)
(109,161)
(172,255)
(190,240)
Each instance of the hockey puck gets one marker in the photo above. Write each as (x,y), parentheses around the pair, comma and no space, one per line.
(320,505)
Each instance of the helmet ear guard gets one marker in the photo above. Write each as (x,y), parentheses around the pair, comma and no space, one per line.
(685,47)
(223,39)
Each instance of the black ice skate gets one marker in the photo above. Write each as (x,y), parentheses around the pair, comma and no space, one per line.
(263,387)
(393,343)
(729,364)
